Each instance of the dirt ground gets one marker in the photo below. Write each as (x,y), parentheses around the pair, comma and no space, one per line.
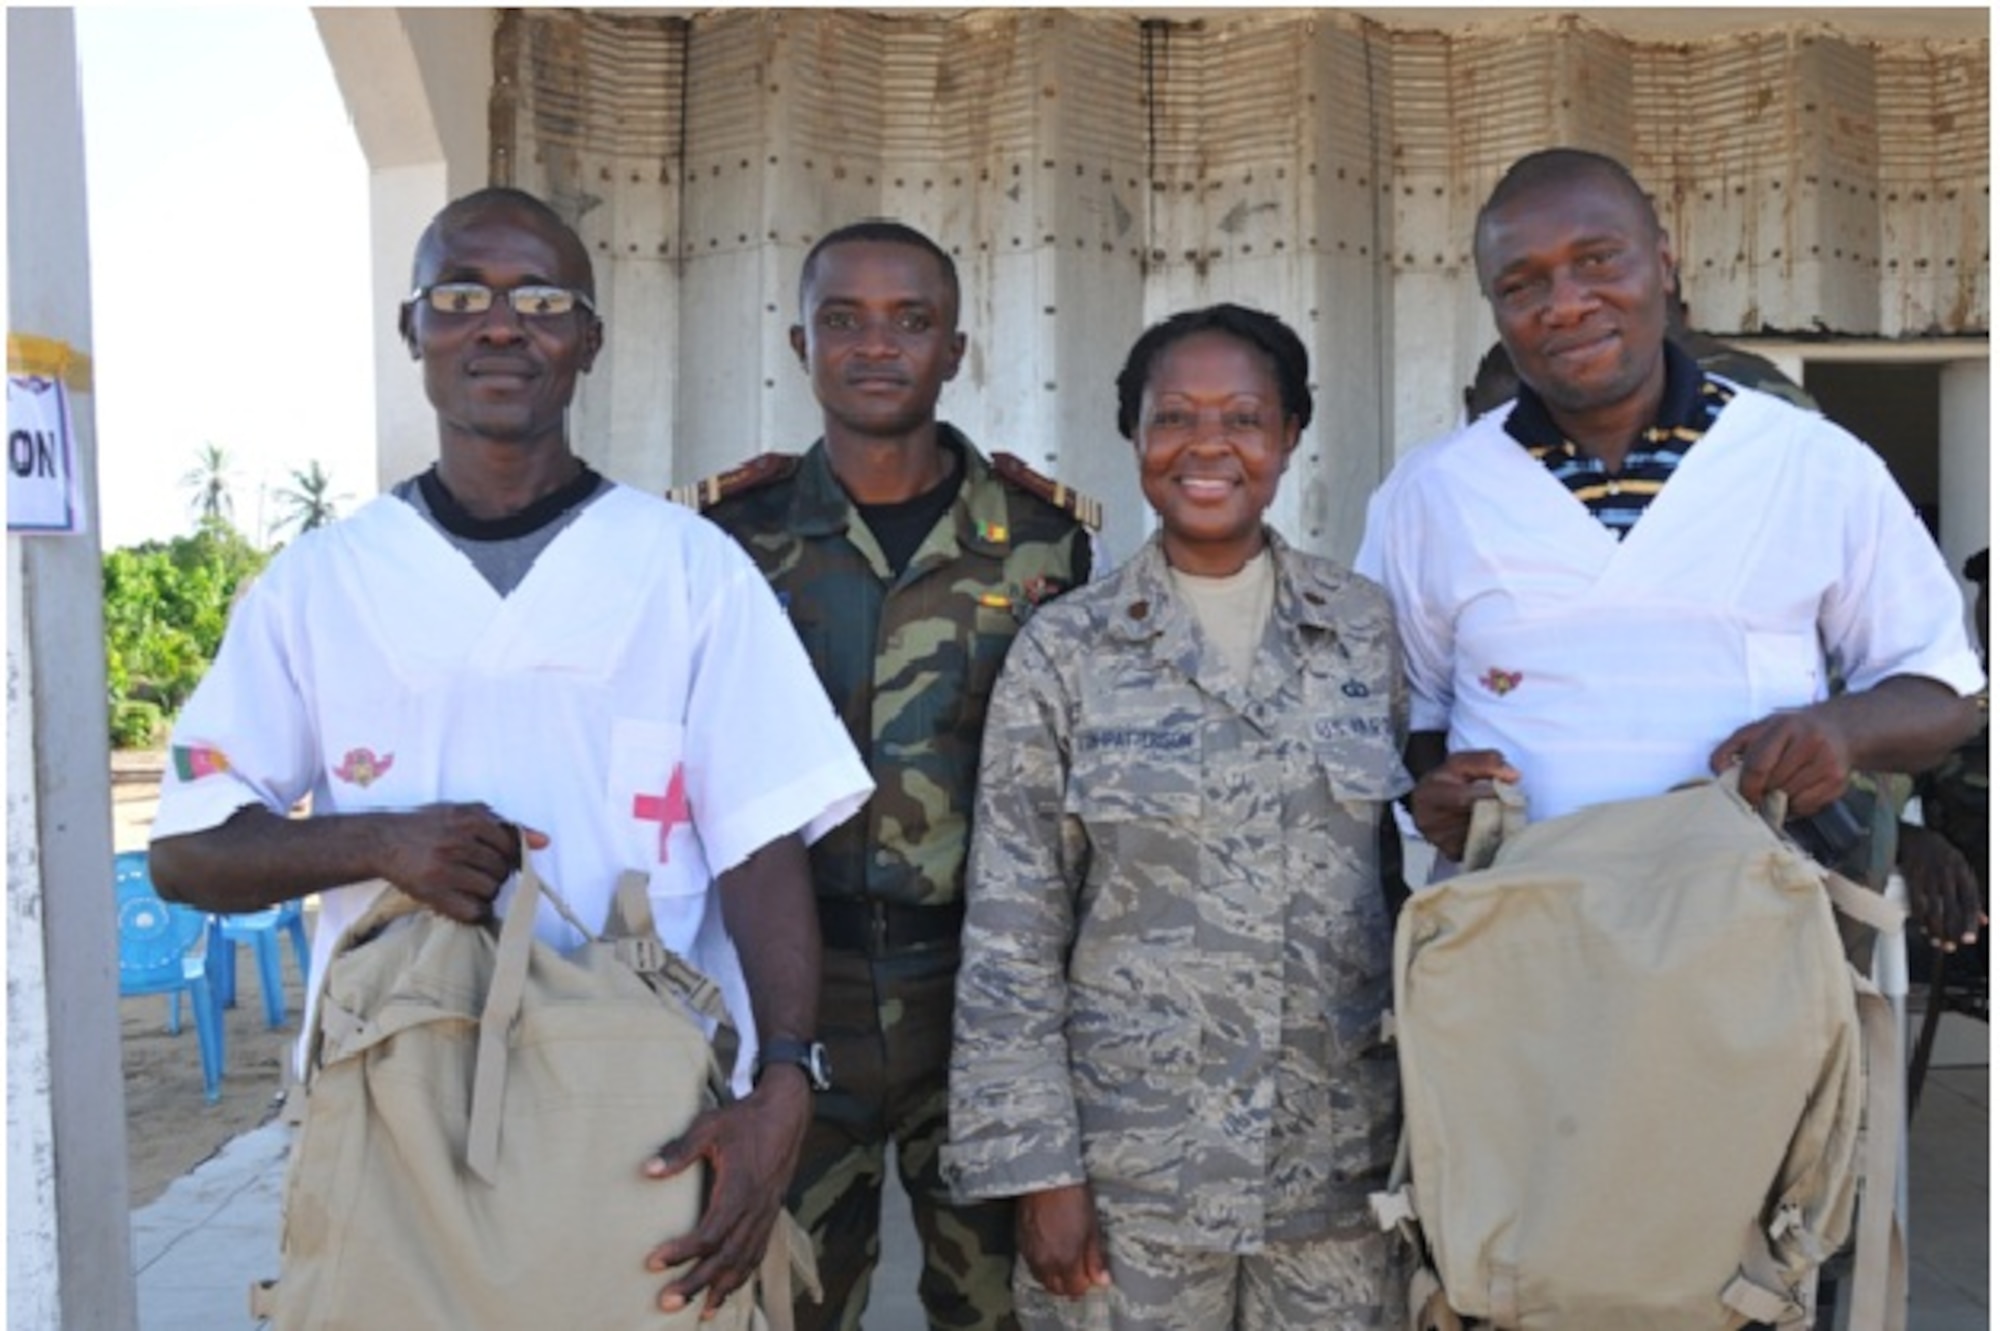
(169,1127)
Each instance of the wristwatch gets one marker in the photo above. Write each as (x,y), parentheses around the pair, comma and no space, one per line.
(809,1056)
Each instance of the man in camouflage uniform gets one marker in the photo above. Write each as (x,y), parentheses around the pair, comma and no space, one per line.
(907,562)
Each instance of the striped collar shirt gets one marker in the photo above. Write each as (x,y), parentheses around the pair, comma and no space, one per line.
(1688,407)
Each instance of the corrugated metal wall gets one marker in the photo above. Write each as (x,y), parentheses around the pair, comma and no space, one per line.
(1094,170)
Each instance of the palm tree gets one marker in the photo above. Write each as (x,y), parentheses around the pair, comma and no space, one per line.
(308,500)
(209,482)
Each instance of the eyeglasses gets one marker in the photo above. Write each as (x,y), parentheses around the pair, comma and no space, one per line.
(530,302)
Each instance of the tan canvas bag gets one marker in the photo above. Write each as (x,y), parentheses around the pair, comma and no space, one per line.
(477,1110)
(1633,1069)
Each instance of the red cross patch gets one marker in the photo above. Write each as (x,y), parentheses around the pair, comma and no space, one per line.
(669,809)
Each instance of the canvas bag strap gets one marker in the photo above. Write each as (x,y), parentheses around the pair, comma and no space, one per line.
(1496,819)
(630,929)
(1881,1288)
(503,1003)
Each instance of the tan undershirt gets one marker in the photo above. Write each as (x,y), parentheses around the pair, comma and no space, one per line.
(1233,610)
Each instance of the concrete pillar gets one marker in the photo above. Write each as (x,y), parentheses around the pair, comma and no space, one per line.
(69,1260)
(415,82)
(1965,460)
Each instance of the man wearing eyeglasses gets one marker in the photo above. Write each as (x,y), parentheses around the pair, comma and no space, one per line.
(510,644)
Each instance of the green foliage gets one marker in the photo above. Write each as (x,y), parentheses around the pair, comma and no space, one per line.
(165,606)
(136,724)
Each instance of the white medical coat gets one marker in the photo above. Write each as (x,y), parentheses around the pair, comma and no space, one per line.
(639,697)
(1605,669)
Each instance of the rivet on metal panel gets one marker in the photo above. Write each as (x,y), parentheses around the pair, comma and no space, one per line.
(742,238)
(631,247)
(604,173)
(770,383)
(1015,169)
(1017,242)
(1278,244)
(957,181)
(664,247)
(809,164)
(772,160)
(771,235)
(899,182)
(770,307)
(868,179)
(927,184)
(1049,387)
(1048,240)
(715,171)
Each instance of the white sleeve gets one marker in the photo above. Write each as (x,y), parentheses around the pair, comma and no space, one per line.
(1392,554)
(768,754)
(1897,609)
(246,736)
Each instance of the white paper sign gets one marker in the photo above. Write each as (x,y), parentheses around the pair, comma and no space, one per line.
(41,462)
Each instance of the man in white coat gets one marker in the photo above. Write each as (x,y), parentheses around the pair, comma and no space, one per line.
(509,644)
(1634,574)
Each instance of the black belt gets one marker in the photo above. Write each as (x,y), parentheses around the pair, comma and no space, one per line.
(876,927)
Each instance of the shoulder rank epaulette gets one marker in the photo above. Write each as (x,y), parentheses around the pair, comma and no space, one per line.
(760,471)
(1077,504)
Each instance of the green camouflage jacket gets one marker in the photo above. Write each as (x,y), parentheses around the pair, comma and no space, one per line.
(908,661)
(1177,951)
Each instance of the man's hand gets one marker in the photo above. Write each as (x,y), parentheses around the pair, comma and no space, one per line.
(751,1148)
(1059,1239)
(1906,723)
(1944,889)
(1804,753)
(1441,804)
(452,857)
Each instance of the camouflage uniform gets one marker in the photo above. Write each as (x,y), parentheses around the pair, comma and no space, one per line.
(1177,948)
(909,661)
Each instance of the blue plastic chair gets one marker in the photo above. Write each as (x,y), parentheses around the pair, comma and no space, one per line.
(261,929)
(162,949)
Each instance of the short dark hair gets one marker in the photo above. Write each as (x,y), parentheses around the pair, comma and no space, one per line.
(503,198)
(1494,381)
(1560,166)
(1266,332)
(1975,568)
(881,231)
